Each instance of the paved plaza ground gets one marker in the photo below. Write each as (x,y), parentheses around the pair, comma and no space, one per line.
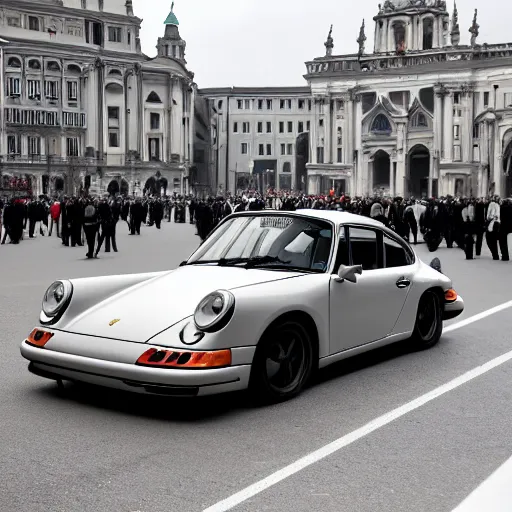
(86,451)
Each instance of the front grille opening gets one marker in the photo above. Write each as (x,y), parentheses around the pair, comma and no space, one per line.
(157,357)
(184,358)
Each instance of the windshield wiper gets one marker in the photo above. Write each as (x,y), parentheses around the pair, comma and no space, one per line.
(265,261)
(251,262)
(221,262)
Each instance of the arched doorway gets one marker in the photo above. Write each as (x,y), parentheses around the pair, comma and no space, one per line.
(301,159)
(151,186)
(59,184)
(418,163)
(125,187)
(381,172)
(113,188)
(163,185)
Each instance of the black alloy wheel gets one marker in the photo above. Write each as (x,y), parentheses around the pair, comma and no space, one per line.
(282,364)
(429,321)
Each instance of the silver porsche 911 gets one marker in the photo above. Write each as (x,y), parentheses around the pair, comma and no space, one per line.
(264,302)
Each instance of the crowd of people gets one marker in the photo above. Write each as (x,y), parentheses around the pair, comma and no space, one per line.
(80,221)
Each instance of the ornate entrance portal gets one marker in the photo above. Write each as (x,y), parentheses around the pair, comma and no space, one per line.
(381,173)
(418,164)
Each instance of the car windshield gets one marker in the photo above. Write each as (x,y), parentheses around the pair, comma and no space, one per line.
(272,242)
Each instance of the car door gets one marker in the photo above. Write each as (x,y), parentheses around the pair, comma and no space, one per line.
(368,310)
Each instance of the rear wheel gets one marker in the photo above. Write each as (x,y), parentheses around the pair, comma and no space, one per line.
(429,321)
(282,364)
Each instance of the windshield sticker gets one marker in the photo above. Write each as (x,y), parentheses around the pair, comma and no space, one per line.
(275,222)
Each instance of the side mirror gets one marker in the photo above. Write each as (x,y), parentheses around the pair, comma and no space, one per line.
(436,264)
(349,273)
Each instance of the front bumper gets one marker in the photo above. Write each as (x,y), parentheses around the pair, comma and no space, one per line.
(453,309)
(123,374)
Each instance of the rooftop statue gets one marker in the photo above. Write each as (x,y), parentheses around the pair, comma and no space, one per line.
(474,29)
(329,44)
(403,5)
(361,40)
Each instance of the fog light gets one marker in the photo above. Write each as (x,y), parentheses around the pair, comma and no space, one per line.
(450,295)
(177,359)
(39,338)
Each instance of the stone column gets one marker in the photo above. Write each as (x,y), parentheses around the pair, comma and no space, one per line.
(314,132)
(384,36)
(92,111)
(467,127)
(376,38)
(177,117)
(355,138)
(448,127)
(328,130)
(484,144)
(438,121)
(497,159)
(399,185)
(435,28)
(410,35)
(191,127)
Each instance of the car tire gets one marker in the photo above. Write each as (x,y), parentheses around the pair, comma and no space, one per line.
(429,321)
(282,364)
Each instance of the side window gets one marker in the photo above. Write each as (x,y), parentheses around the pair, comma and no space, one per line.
(394,254)
(364,248)
(343,256)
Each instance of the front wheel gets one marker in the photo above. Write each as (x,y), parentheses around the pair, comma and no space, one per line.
(282,364)
(429,321)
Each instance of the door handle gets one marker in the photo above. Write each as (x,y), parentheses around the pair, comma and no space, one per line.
(403,283)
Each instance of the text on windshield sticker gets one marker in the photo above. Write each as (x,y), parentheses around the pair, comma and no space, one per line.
(275,222)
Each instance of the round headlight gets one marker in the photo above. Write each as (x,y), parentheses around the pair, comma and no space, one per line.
(213,309)
(56,297)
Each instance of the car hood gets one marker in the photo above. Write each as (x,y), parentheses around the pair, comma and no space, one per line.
(142,311)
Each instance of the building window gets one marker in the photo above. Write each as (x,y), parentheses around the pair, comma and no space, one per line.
(269,127)
(260,104)
(309,105)
(476,131)
(320,155)
(301,104)
(269,149)
(129,38)
(14,62)
(419,121)
(289,149)
(428,33)
(51,90)
(381,125)
(72,91)
(33,23)
(486,99)
(456,153)
(261,150)
(115,34)
(34,89)
(13,21)
(321,123)
(456,132)
(300,128)
(281,127)
(456,98)
(113,138)
(240,104)
(244,148)
(308,126)
(235,127)
(340,155)
(282,104)
(283,149)
(14,144)
(508,99)
(34,146)
(476,153)
(247,104)
(290,126)
(260,127)
(339,136)
(246,127)
(269,104)
(72,146)
(113,117)
(13,87)
(154,121)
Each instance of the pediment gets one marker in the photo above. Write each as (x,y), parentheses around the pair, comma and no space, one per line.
(385,106)
(417,106)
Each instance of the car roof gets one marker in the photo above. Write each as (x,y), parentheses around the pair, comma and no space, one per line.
(329,215)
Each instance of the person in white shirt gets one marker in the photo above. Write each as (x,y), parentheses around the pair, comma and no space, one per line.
(493,227)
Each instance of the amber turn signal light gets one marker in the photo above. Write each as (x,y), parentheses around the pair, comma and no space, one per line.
(450,295)
(39,338)
(177,359)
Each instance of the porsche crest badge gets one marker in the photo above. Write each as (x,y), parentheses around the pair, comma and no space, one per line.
(114,322)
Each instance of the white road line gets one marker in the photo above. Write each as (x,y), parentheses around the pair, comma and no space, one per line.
(342,442)
(493,495)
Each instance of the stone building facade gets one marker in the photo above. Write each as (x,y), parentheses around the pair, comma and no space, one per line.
(422,115)
(81,107)
(260,137)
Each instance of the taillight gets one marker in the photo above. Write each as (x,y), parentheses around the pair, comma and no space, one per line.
(177,359)
(450,295)
(39,338)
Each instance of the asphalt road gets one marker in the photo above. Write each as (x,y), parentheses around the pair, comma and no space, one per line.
(89,451)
